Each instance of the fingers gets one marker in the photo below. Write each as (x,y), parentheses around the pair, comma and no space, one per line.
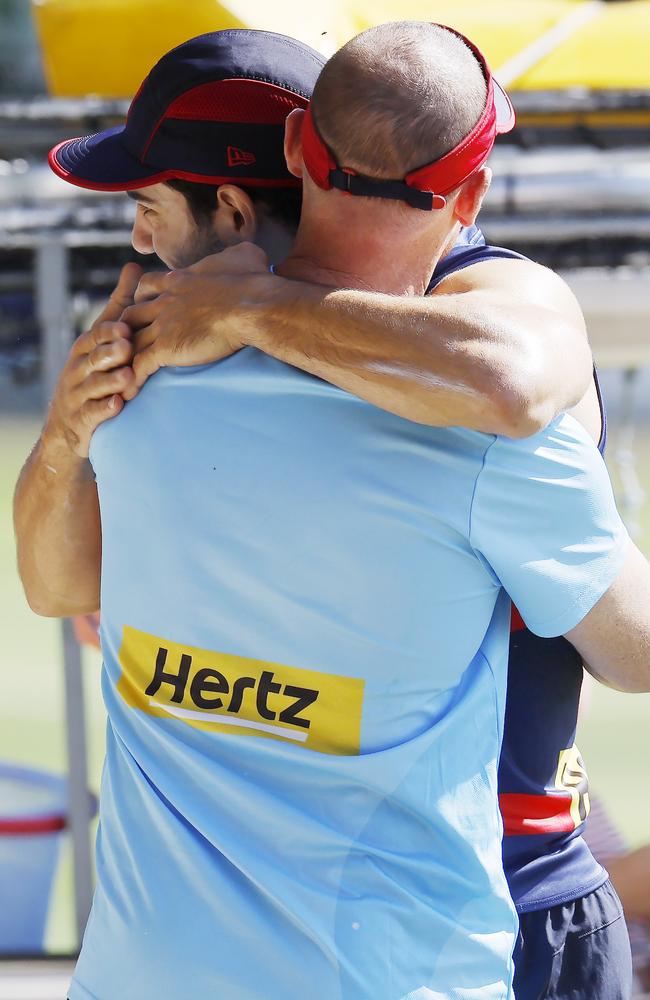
(144,338)
(145,364)
(151,285)
(102,371)
(106,356)
(100,385)
(143,314)
(100,333)
(85,421)
(108,333)
(123,293)
(95,412)
(92,383)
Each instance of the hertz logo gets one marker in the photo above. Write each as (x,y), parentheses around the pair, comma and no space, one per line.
(226,693)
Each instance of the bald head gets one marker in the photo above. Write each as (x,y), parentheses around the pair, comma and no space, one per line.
(398,96)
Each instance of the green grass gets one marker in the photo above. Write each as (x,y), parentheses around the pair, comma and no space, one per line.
(613,736)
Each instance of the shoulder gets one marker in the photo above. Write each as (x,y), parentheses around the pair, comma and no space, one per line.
(469,248)
(474,265)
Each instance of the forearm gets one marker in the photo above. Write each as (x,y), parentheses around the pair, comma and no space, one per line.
(58,533)
(56,507)
(445,360)
(614,637)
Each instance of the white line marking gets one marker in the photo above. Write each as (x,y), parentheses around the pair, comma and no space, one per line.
(226,720)
(514,68)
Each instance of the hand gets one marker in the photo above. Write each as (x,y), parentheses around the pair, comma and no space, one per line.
(199,314)
(91,386)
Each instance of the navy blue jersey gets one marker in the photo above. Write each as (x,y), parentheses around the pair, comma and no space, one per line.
(543,790)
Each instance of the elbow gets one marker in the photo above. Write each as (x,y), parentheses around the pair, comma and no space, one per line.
(528,389)
(49,606)
(636,685)
(625,686)
(48,609)
(518,411)
(46,604)
(624,680)
(38,604)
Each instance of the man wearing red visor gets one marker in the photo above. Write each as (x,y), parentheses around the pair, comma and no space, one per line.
(409,191)
(426,187)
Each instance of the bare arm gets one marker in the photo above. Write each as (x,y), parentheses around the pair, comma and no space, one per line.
(614,638)
(56,509)
(481,352)
(58,531)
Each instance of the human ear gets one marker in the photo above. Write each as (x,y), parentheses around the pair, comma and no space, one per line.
(141,234)
(470,196)
(293,142)
(235,219)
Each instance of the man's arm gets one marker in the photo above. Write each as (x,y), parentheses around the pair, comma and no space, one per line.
(58,531)
(543,516)
(614,637)
(480,352)
(56,508)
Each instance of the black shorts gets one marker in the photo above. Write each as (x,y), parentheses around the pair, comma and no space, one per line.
(577,951)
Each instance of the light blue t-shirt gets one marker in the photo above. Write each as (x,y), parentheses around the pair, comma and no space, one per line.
(305,640)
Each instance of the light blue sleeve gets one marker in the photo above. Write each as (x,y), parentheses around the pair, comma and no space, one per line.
(545,520)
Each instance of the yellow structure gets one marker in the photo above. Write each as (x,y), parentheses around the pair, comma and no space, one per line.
(611,51)
(500,29)
(106,47)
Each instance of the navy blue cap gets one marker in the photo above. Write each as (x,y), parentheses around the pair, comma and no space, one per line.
(212,110)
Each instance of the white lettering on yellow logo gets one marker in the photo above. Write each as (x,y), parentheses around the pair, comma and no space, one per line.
(235,694)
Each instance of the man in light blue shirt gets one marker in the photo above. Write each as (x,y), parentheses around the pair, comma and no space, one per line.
(304,627)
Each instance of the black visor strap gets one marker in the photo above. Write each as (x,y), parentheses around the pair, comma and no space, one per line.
(370,187)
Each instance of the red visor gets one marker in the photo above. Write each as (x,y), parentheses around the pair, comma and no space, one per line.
(427,186)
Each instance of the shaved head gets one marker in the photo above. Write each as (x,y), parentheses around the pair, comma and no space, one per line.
(397,97)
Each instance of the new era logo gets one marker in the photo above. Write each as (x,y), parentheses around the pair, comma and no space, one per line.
(239,157)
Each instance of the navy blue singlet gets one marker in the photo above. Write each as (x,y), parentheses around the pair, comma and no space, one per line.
(543,788)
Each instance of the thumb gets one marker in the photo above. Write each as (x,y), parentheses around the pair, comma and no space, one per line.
(122,295)
(145,364)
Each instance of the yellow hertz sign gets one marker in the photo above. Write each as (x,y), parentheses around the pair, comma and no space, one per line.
(233,694)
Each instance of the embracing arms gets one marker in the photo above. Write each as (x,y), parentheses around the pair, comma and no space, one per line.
(481,352)
(56,508)
(499,347)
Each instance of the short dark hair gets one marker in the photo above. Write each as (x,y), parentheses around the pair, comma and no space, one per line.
(281,204)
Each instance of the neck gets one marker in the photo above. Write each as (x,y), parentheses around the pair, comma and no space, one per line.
(275,238)
(381,258)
